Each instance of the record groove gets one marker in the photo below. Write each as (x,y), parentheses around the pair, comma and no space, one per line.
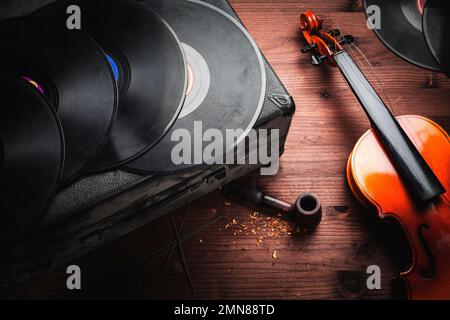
(236,86)
(436,27)
(401,31)
(31,156)
(73,73)
(151,72)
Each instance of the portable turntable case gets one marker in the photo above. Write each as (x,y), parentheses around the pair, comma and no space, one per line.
(99,208)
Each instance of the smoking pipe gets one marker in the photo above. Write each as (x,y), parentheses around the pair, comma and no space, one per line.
(306,212)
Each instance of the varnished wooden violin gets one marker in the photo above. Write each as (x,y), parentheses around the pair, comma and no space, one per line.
(400,168)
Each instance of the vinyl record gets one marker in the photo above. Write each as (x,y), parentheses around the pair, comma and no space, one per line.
(401,30)
(73,73)
(31,156)
(436,27)
(150,69)
(226,88)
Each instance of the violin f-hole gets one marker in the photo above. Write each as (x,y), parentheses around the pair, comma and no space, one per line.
(427,269)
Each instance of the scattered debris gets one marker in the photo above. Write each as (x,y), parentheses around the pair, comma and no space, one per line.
(262,227)
(259,241)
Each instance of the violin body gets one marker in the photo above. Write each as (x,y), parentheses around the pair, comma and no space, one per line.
(375,183)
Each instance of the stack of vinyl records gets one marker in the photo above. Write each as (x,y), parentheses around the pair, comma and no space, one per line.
(93,86)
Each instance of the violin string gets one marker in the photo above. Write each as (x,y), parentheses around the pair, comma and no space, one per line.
(390,105)
(169,255)
(182,254)
(372,71)
(369,69)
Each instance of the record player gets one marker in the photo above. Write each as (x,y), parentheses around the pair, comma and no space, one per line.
(105,203)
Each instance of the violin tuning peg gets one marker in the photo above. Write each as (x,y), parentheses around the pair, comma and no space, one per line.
(309,48)
(317,60)
(334,33)
(347,39)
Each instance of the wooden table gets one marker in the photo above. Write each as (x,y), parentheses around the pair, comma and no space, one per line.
(328,264)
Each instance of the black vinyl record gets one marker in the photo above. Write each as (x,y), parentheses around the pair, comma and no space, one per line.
(436,28)
(227,83)
(31,156)
(150,71)
(73,73)
(401,30)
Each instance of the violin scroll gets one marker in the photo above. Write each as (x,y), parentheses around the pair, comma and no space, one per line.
(322,45)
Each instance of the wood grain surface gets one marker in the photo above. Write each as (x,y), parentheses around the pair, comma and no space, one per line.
(327,264)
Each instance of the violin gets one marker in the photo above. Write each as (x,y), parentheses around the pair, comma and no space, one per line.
(399,168)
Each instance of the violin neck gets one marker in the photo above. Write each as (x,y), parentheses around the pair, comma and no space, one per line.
(415,173)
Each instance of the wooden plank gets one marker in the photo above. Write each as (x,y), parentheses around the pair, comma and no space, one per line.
(325,264)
